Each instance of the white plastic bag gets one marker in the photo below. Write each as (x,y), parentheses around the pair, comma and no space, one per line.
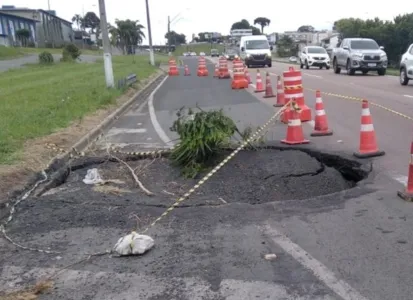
(93,177)
(133,244)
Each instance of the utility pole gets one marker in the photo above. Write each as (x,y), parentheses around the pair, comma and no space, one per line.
(151,56)
(169,33)
(107,56)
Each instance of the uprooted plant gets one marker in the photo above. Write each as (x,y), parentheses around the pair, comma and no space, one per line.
(201,134)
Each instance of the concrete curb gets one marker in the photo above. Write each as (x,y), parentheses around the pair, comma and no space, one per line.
(93,135)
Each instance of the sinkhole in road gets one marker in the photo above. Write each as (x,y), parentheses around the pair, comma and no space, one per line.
(254,177)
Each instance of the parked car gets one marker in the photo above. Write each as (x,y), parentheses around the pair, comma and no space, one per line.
(406,66)
(214,53)
(314,56)
(359,54)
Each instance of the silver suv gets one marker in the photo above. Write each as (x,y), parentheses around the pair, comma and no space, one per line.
(359,54)
(406,66)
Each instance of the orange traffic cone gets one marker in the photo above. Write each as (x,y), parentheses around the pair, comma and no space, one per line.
(247,75)
(223,68)
(268,88)
(173,69)
(259,86)
(368,145)
(295,133)
(238,79)
(202,69)
(407,194)
(280,93)
(216,72)
(186,71)
(320,120)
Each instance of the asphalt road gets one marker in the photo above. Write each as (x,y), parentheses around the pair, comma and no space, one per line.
(349,245)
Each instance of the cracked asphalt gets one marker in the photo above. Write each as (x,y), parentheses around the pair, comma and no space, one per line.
(333,239)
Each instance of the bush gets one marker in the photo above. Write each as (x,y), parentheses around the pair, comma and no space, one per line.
(46,58)
(72,50)
(201,134)
(66,56)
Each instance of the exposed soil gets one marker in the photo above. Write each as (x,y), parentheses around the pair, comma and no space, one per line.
(37,153)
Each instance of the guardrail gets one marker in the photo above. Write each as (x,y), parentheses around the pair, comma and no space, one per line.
(127,81)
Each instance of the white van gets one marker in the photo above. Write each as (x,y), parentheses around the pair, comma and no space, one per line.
(255,50)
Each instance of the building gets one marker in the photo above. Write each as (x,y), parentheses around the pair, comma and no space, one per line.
(10,24)
(331,41)
(272,38)
(236,34)
(50,30)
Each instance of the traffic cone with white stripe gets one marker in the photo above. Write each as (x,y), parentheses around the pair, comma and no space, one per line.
(259,86)
(216,72)
(268,88)
(320,120)
(407,194)
(186,71)
(368,144)
(295,133)
(280,93)
(247,75)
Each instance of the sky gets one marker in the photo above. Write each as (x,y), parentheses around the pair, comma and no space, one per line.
(194,16)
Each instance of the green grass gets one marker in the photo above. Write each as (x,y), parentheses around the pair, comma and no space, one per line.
(197,48)
(38,100)
(10,53)
(59,51)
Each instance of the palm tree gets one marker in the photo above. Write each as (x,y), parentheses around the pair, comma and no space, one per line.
(78,20)
(263,22)
(127,34)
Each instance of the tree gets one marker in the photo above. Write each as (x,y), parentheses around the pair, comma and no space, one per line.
(263,22)
(255,30)
(286,46)
(175,38)
(243,24)
(23,35)
(126,35)
(91,21)
(77,19)
(306,28)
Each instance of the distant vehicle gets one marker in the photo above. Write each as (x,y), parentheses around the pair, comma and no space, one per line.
(314,56)
(231,54)
(359,54)
(292,59)
(186,54)
(255,50)
(193,53)
(214,52)
(406,66)
(202,53)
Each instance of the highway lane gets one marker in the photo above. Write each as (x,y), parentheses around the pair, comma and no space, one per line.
(392,114)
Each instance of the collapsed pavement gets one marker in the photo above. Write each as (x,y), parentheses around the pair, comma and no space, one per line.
(192,255)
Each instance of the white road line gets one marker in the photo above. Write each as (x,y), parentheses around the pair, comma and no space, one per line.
(116,131)
(400,178)
(161,133)
(408,96)
(312,75)
(340,287)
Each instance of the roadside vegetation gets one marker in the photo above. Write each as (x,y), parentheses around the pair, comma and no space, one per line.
(41,98)
(10,52)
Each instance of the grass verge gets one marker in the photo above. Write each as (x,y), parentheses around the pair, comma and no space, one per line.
(10,52)
(198,48)
(38,100)
(59,51)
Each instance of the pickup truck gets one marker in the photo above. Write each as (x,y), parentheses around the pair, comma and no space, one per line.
(359,54)
(406,66)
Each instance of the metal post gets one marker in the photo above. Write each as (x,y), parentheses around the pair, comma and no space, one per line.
(107,57)
(152,58)
(169,34)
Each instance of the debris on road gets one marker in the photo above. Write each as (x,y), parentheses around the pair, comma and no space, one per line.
(271,256)
(133,244)
(93,177)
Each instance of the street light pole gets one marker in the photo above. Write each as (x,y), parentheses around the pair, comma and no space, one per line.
(107,57)
(151,56)
(169,34)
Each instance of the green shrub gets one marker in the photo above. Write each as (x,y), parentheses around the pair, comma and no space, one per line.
(72,50)
(66,56)
(201,134)
(46,58)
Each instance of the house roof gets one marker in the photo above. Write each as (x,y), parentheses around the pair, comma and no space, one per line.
(7,9)
(17,17)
